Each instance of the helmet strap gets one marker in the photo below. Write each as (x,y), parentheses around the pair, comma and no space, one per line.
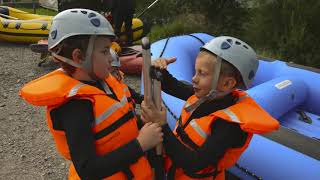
(213,94)
(216,75)
(87,64)
(65,60)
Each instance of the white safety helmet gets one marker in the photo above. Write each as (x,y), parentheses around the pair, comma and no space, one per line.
(115,59)
(237,53)
(74,22)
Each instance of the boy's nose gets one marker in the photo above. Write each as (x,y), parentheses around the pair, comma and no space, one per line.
(194,79)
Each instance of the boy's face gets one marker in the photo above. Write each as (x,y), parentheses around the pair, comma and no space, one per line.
(202,80)
(204,73)
(101,57)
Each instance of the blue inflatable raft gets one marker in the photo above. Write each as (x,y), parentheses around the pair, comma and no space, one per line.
(289,92)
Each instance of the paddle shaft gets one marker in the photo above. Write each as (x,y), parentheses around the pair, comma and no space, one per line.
(152,88)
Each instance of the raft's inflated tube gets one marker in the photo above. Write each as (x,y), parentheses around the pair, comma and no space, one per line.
(280,95)
(22,15)
(30,28)
(23,31)
(271,70)
(270,160)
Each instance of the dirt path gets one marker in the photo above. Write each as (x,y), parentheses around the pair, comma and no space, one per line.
(27,150)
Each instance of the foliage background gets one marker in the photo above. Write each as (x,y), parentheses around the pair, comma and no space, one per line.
(282,29)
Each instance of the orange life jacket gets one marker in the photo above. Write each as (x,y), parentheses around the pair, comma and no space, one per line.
(127,92)
(115,123)
(246,112)
(131,101)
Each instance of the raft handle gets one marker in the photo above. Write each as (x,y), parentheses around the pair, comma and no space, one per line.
(304,117)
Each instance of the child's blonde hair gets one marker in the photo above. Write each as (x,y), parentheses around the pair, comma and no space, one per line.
(227,69)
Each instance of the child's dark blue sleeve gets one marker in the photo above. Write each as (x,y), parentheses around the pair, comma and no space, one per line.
(174,87)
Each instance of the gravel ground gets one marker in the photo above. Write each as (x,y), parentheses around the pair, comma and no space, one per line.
(27,150)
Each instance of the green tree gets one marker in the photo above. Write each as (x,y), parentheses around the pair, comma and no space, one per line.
(288,28)
(217,17)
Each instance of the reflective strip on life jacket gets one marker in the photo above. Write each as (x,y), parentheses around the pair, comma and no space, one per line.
(198,129)
(106,88)
(111,110)
(126,90)
(242,98)
(75,89)
(232,115)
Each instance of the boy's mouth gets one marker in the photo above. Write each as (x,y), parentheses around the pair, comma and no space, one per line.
(195,89)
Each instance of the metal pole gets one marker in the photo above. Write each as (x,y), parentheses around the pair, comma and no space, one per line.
(152,89)
(34,7)
(153,3)
(146,54)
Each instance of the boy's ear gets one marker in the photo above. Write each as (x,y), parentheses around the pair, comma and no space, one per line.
(229,83)
(77,55)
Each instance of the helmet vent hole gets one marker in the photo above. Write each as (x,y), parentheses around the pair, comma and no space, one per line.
(54,34)
(84,12)
(225,45)
(230,41)
(91,15)
(251,75)
(95,22)
(74,11)
(238,43)
(245,46)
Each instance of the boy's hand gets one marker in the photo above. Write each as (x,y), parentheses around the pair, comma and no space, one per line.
(152,114)
(149,136)
(162,63)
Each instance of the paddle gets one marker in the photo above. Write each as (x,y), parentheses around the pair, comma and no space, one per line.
(152,88)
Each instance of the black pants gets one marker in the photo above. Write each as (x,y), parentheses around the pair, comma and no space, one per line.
(120,17)
(94,5)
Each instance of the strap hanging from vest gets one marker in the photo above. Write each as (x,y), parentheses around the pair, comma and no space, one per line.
(173,168)
(128,173)
(202,175)
(171,172)
(187,140)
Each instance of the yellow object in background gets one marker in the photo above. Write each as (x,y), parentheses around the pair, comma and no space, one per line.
(30,28)
(23,31)
(22,15)
(116,47)
(137,29)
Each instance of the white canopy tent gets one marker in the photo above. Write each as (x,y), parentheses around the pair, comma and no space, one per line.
(50,4)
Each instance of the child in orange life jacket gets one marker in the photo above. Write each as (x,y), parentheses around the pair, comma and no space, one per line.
(218,120)
(132,96)
(115,66)
(88,113)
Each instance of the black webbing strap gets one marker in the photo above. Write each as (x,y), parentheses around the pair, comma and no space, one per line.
(125,118)
(128,173)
